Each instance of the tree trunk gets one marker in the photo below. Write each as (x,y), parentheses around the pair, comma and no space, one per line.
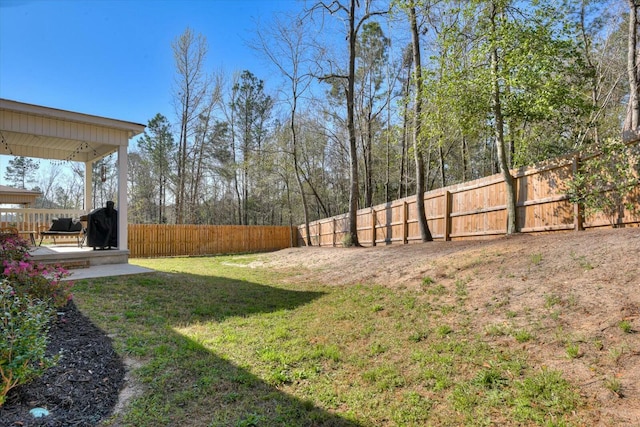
(387,179)
(182,159)
(405,125)
(236,185)
(499,135)
(368,163)
(464,159)
(160,201)
(633,114)
(425,233)
(326,212)
(443,176)
(294,141)
(353,148)
(197,173)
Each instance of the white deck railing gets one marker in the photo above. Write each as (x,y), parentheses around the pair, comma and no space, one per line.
(32,219)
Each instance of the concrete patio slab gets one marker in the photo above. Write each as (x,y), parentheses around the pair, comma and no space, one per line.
(100,263)
(106,271)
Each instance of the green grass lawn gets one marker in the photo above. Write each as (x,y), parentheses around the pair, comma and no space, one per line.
(225,345)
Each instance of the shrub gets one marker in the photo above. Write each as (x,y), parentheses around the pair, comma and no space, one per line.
(347,241)
(605,181)
(30,278)
(38,280)
(14,248)
(23,338)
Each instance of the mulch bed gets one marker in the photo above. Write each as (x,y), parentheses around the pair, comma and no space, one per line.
(81,389)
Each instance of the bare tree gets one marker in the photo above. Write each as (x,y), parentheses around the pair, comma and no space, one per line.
(425,233)
(371,95)
(189,52)
(354,23)
(46,183)
(202,133)
(284,46)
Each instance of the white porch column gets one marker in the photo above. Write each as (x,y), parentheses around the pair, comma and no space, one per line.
(88,187)
(123,224)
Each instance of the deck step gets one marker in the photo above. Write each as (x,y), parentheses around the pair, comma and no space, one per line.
(70,258)
(71,264)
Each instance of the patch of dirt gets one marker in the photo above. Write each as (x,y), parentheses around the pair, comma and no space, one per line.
(81,389)
(566,289)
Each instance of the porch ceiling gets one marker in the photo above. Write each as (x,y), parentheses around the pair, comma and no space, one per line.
(48,133)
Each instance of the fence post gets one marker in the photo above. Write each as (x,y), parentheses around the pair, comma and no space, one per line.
(447,216)
(578,214)
(516,189)
(405,222)
(333,234)
(373,226)
(291,236)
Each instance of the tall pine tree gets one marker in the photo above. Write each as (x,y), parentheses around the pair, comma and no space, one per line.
(21,171)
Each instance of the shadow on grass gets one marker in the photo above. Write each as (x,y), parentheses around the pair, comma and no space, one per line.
(185,383)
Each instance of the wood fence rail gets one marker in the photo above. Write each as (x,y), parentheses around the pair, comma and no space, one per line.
(161,240)
(477,209)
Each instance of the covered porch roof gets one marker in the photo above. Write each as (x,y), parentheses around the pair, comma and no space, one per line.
(48,133)
(17,196)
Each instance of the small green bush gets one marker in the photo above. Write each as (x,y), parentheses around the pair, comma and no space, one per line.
(37,280)
(23,338)
(40,281)
(347,241)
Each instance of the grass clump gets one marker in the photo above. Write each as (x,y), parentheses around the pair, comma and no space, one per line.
(543,395)
(573,351)
(437,290)
(614,385)
(522,335)
(625,326)
(536,258)
(582,261)
(551,300)
(426,281)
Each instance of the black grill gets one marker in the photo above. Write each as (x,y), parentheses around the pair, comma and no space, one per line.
(102,228)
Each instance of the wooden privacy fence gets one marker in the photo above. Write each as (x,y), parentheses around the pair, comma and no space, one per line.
(476,209)
(161,240)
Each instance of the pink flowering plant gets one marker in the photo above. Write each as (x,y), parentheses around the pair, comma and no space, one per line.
(41,281)
(14,248)
(29,291)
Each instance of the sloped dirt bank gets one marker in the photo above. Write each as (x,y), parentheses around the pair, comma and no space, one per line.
(576,293)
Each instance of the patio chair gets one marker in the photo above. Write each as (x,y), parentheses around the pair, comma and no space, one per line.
(64,227)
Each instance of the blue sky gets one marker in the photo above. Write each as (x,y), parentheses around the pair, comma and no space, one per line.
(113,58)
